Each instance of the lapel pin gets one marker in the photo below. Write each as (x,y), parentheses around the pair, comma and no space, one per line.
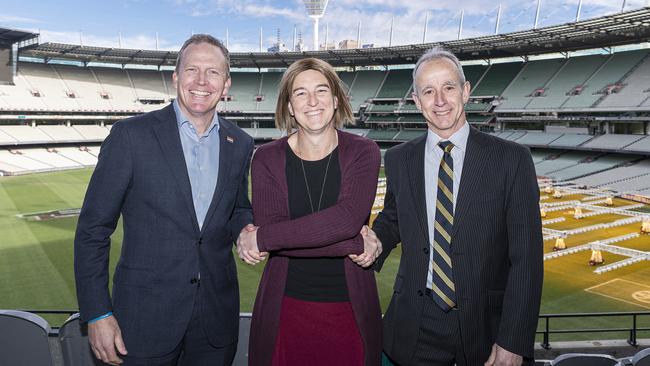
(230,139)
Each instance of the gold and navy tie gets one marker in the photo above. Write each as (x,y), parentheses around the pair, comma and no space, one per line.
(443,289)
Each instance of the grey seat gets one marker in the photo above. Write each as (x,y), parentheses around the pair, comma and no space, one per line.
(24,339)
(73,337)
(642,358)
(584,359)
(241,357)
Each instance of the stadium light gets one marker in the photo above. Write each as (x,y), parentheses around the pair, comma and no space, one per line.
(315,10)
(496,24)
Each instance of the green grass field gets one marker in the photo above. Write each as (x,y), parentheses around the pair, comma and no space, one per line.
(36,259)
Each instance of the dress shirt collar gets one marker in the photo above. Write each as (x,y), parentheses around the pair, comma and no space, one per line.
(182,120)
(459,138)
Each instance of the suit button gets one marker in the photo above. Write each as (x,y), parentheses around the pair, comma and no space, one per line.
(200,241)
(425,250)
(420,293)
(193,281)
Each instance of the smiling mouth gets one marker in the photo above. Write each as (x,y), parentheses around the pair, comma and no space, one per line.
(313,113)
(441,113)
(200,93)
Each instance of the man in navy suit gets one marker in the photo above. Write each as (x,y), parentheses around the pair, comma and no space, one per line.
(465,206)
(179,179)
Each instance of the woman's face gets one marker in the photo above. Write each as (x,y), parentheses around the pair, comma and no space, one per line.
(312,102)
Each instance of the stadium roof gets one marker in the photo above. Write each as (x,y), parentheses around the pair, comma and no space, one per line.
(8,37)
(611,30)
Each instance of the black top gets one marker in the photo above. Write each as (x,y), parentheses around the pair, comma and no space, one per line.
(314,279)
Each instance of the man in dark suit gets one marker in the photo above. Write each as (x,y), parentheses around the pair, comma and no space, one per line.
(179,178)
(465,206)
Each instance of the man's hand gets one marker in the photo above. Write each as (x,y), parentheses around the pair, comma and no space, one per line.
(372,248)
(503,357)
(105,338)
(247,246)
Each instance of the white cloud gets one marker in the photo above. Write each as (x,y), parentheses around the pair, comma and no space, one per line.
(139,41)
(16,19)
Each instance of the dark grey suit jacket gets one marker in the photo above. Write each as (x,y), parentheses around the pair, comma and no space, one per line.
(496,247)
(141,175)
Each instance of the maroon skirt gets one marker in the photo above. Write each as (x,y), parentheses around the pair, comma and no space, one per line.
(317,333)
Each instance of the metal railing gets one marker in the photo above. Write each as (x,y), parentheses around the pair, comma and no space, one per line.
(633,327)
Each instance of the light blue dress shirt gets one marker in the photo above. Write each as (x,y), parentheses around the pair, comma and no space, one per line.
(202,160)
(432,157)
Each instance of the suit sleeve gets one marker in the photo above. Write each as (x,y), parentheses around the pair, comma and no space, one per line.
(99,215)
(523,291)
(242,214)
(386,225)
(337,223)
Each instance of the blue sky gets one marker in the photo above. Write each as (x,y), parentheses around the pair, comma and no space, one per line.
(138,21)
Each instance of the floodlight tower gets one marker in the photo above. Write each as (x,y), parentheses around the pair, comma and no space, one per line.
(315,10)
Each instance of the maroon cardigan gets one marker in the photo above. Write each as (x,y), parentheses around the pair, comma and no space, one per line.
(331,232)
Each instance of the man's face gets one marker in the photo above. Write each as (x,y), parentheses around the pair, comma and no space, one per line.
(440,96)
(201,79)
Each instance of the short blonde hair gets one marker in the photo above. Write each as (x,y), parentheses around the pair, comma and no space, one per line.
(342,115)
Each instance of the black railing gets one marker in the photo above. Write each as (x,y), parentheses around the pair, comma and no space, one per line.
(633,328)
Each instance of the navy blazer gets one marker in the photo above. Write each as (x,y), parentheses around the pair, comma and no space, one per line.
(496,247)
(141,175)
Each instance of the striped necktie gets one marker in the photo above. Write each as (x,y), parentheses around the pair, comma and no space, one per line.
(443,289)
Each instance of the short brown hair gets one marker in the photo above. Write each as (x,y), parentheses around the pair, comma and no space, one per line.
(283,118)
(204,38)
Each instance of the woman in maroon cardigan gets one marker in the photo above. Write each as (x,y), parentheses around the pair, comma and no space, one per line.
(317,302)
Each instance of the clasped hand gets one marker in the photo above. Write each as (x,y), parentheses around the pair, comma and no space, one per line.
(247,248)
(372,248)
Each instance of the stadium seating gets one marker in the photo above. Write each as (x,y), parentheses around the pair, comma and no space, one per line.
(73,338)
(51,88)
(23,339)
(82,82)
(642,358)
(612,141)
(603,179)
(636,88)
(396,84)
(50,157)
(473,73)
(534,76)
(642,145)
(92,132)
(574,74)
(364,86)
(563,161)
(596,165)
(269,90)
(23,163)
(245,86)
(24,133)
(77,155)
(583,359)
(538,138)
(570,140)
(406,135)
(496,79)
(382,135)
(61,133)
(117,86)
(611,71)
(148,84)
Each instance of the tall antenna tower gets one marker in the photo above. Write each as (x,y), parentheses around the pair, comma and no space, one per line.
(315,10)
